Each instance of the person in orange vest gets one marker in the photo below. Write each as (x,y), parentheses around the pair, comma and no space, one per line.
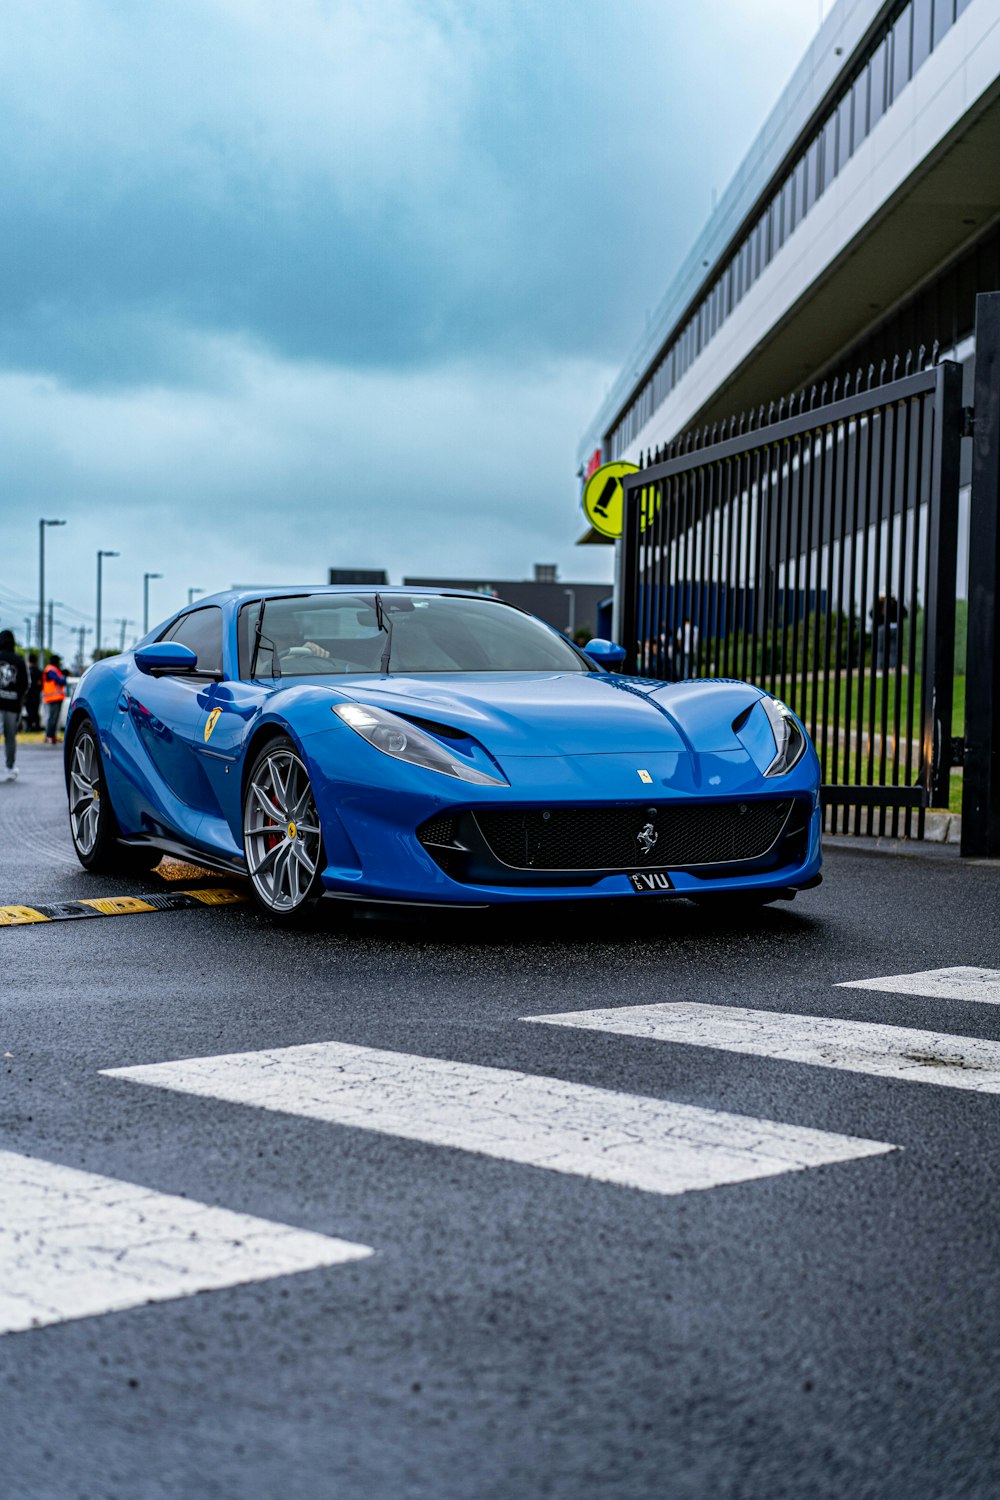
(53,694)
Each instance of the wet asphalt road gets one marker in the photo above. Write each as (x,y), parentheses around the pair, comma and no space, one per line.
(518,1332)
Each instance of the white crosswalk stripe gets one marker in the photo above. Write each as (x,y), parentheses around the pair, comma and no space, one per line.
(638,1142)
(854,1046)
(959,983)
(74,1244)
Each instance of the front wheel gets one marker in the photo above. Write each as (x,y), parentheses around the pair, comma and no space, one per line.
(281,833)
(92,822)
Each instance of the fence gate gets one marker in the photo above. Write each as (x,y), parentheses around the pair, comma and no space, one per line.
(813,551)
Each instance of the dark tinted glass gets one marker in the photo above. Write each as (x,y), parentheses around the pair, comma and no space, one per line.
(319,635)
(201,630)
(860,92)
(830,150)
(813,188)
(843,132)
(944,15)
(901,33)
(921,32)
(876,85)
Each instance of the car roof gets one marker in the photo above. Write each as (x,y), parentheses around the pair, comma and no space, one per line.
(291,591)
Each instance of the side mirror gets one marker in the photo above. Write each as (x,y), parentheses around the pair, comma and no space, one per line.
(165,656)
(605,653)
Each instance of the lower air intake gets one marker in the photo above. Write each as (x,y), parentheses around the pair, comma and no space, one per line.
(614,838)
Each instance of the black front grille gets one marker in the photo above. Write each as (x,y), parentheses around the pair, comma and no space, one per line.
(438,830)
(630,838)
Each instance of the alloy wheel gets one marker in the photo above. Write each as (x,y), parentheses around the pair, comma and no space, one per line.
(281,834)
(85,793)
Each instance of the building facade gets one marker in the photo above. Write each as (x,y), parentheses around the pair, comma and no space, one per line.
(573,608)
(861,224)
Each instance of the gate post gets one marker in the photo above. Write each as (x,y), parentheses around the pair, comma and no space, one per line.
(942,550)
(629,585)
(981,785)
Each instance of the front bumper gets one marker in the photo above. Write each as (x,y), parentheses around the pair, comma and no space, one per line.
(375,852)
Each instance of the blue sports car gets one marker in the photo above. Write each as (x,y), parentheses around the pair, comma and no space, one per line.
(419,745)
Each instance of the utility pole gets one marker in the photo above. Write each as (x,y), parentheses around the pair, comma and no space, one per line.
(41,577)
(102,554)
(145,599)
(27,632)
(124,626)
(81,637)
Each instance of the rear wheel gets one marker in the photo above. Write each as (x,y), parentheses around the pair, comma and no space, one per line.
(281,833)
(92,822)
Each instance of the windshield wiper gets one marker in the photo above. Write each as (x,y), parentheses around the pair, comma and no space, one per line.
(384,619)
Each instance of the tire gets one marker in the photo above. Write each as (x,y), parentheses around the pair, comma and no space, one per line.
(92,823)
(282,840)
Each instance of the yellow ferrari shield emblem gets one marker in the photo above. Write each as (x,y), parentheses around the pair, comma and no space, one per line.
(211,722)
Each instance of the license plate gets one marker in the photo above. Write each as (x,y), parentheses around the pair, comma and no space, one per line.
(646,881)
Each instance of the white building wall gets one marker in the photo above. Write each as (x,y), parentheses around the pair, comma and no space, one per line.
(959,73)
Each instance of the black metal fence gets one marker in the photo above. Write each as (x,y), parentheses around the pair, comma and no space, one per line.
(812,549)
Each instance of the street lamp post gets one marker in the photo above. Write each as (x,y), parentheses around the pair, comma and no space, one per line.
(571,596)
(101,555)
(41,577)
(192,592)
(145,599)
(54,604)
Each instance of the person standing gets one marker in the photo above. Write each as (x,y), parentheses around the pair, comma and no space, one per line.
(687,646)
(33,697)
(13,686)
(53,694)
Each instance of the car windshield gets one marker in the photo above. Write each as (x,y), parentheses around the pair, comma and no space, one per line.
(315,635)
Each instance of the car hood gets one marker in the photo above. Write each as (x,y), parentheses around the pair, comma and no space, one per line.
(539,713)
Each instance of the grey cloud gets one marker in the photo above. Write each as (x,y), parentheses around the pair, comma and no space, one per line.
(384,186)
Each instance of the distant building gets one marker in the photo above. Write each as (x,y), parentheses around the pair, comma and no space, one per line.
(372,577)
(570,607)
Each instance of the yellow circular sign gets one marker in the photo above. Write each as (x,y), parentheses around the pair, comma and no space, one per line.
(603,499)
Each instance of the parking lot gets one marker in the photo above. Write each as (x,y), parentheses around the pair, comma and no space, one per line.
(633,1203)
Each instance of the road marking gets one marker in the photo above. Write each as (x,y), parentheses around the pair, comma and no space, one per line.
(637,1142)
(958,1062)
(117,906)
(960,983)
(73,1245)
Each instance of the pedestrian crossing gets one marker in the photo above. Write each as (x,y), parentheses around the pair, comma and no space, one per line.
(74,1244)
(571,1128)
(853,1046)
(981,986)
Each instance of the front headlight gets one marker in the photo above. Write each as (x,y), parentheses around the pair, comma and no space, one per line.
(404,741)
(790,742)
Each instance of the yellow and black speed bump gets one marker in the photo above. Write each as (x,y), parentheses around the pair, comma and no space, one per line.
(117,906)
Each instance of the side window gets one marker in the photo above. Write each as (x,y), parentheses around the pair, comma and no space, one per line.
(201,630)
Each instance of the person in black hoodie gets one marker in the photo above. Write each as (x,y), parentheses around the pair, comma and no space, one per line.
(13,686)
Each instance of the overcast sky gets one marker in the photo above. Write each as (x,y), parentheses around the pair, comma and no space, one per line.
(339,282)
